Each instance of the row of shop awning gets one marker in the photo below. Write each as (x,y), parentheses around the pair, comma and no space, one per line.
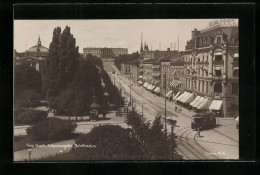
(199,102)
(151,87)
(156,66)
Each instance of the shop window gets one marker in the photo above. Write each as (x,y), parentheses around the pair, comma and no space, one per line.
(235,88)
(234,40)
(218,88)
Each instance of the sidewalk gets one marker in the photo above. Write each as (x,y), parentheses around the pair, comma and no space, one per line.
(43,151)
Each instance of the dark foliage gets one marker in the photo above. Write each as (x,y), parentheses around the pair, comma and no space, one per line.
(111,143)
(29,116)
(124,58)
(51,129)
(26,99)
(26,78)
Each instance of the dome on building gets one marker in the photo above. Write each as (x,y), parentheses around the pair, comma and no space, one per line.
(38,50)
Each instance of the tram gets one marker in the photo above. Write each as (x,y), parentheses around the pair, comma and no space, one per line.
(203,121)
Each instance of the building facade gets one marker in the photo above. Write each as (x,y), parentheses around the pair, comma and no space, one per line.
(34,56)
(130,70)
(211,67)
(104,53)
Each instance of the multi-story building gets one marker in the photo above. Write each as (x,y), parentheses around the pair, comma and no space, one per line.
(211,68)
(104,53)
(130,70)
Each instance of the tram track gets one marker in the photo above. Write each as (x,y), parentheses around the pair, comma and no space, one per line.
(189,147)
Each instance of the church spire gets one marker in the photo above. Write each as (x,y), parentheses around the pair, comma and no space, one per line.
(39,41)
(141,48)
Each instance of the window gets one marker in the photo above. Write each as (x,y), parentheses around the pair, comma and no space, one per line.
(218,73)
(218,88)
(234,40)
(218,40)
(218,57)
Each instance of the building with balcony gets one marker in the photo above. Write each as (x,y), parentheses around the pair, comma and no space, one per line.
(212,68)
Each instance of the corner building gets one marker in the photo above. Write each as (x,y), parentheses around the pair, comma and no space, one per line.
(211,65)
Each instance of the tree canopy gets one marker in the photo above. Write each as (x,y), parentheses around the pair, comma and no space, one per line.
(125,58)
(26,78)
(111,143)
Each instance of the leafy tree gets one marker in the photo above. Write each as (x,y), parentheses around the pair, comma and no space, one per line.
(29,116)
(26,78)
(125,58)
(51,66)
(111,143)
(29,98)
(68,58)
(51,129)
(94,60)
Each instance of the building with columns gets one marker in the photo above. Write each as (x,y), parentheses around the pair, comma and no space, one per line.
(212,68)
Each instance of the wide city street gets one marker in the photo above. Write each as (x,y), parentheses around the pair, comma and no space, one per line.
(219,143)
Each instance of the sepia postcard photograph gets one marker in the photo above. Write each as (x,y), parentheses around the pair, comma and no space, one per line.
(126,89)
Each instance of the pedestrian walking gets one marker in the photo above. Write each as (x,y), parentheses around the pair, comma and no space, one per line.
(198,132)
(175,108)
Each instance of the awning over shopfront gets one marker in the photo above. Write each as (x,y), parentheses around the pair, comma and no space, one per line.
(176,96)
(140,76)
(198,102)
(204,104)
(184,97)
(189,98)
(156,89)
(155,82)
(151,87)
(140,82)
(169,94)
(236,68)
(148,87)
(216,104)
(181,96)
(194,101)
(146,84)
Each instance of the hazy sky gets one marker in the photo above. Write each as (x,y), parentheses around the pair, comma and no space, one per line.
(109,33)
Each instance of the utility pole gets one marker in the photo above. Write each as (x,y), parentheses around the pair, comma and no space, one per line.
(142,110)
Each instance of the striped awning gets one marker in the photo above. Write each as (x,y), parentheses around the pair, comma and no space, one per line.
(204,104)
(146,84)
(176,96)
(169,94)
(148,87)
(157,66)
(189,98)
(155,82)
(194,101)
(216,104)
(198,102)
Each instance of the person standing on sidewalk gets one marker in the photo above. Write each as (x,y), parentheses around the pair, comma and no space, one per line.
(198,132)
(175,108)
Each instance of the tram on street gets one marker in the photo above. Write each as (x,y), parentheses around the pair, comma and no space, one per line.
(203,121)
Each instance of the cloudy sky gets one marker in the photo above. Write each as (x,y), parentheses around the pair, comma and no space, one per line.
(110,33)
